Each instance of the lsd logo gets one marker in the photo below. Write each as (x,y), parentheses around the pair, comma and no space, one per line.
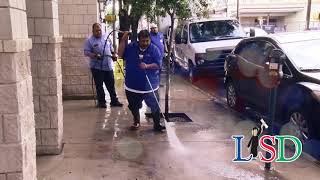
(277,155)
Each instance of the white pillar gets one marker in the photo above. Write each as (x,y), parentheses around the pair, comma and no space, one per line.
(43,24)
(17,125)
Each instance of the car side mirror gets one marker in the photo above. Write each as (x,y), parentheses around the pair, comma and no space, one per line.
(178,39)
(252,32)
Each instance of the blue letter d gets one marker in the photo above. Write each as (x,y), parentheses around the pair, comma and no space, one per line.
(238,158)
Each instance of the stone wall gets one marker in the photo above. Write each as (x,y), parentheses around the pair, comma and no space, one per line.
(17,125)
(75,68)
(76,18)
(43,26)
(296,21)
(47,92)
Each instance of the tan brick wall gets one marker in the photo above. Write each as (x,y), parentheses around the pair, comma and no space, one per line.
(296,21)
(47,92)
(76,19)
(43,24)
(76,76)
(17,129)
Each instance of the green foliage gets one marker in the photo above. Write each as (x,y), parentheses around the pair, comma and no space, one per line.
(140,7)
(180,8)
(131,12)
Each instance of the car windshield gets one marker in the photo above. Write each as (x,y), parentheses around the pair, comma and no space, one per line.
(304,54)
(215,30)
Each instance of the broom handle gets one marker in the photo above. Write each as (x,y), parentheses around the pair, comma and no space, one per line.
(154,94)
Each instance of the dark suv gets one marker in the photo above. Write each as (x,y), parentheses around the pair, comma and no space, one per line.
(298,96)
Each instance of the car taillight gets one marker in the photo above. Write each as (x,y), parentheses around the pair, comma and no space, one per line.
(200,57)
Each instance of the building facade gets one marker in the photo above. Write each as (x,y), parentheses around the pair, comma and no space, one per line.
(41,60)
(280,15)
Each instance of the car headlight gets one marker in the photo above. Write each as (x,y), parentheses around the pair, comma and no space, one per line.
(200,58)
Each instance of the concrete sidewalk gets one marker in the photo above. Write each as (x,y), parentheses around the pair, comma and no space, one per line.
(99,145)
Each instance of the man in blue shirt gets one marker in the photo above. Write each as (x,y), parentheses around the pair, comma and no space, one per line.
(157,38)
(101,63)
(143,61)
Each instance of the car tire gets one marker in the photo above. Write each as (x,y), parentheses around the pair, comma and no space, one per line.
(191,73)
(233,99)
(301,124)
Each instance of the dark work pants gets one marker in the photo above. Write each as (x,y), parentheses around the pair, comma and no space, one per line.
(135,103)
(107,78)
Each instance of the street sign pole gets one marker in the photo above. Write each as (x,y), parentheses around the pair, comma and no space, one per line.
(308,15)
(238,10)
(114,25)
(275,74)
(271,117)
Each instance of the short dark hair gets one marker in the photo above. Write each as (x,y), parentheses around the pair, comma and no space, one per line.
(143,34)
(95,24)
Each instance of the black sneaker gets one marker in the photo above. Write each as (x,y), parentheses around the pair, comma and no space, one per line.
(116,104)
(135,126)
(159,128)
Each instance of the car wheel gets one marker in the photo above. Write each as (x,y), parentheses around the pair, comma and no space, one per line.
(192,76)
(300,125)
(233,99)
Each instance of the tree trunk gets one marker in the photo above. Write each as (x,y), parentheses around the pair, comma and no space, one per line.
(168,67)
(123,21)
(134,28)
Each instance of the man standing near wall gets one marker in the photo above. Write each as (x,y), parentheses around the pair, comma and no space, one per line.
(100,50)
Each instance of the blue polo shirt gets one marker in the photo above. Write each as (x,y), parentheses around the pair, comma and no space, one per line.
(135,80)
(158,40)
(95,45)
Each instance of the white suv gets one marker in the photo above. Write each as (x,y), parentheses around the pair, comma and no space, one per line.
(202,45)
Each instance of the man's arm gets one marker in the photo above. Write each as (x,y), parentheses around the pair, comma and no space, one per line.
(249,143)
(157,61)
(88,50)
(260,130)
(111,46)
(149,66)
(122,44)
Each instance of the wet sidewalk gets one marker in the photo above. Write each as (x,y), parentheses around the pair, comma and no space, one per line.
(99,145)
